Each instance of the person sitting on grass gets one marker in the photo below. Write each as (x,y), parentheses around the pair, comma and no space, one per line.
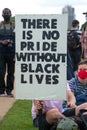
(52,110)
(78,84)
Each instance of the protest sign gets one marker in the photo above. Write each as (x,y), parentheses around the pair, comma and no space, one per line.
(41,47)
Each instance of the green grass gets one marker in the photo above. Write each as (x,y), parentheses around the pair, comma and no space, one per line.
(19,117)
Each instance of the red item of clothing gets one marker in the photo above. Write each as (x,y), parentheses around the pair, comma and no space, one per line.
(82,74)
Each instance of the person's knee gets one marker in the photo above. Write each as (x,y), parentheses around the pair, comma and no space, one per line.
(53,115)
(82,106)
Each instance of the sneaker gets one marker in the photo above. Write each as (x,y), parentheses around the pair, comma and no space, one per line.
(9,94)
(2,95)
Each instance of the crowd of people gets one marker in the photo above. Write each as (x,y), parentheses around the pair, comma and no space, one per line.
(76,75)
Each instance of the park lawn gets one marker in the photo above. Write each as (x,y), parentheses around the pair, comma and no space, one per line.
(19,117)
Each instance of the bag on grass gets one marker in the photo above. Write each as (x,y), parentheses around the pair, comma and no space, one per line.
(67,124)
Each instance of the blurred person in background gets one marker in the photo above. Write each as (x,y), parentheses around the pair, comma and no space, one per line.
(7,53)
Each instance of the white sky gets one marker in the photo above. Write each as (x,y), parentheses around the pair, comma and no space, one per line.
(44,7)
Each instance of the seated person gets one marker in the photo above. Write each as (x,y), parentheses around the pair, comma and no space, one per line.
(78,85)
(52,110)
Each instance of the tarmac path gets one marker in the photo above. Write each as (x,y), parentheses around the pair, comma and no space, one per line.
(5,104)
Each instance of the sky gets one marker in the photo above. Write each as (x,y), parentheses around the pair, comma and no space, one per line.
(44,7)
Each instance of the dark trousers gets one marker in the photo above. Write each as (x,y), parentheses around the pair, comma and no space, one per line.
(45,124)
(75,57)
(70,70)
(7,67)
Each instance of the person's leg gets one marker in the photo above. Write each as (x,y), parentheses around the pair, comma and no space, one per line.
(53,115)
(49,119)
(71,53)
(69,112)
(75,111)
(77,57)
(45,124)
(10,73)
(36,122)
(2,73)
(78,108)
(70,72)
(79,119)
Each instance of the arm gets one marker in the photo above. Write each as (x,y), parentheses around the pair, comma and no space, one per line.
(4,42)
(39,105)
(71,101)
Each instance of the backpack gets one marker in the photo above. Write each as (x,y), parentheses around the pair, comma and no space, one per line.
(67,124)
(73,40)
